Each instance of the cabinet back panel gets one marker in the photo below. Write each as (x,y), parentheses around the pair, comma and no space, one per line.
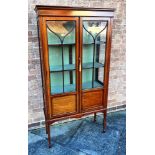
(63,105)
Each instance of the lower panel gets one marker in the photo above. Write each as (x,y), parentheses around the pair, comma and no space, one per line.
(92,99)
(63,105)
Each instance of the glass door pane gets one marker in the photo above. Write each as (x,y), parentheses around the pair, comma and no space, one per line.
(93,54)
(61,49)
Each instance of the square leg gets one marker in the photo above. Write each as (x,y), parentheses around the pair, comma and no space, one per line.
(49,135)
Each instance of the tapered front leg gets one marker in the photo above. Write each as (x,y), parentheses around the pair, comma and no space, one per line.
(46,126)
(95,117)
(49,135)
(104,120)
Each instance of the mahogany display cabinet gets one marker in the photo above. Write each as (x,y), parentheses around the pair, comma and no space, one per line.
(75,45)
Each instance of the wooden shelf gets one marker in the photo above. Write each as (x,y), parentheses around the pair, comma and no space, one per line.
(97,43)
(88,85)
(71,67)
(90,65)
(72,87)
(59,89)
(71,44)
(58,68)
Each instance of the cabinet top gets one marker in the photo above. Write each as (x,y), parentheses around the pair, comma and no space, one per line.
(46,10)
(41,7)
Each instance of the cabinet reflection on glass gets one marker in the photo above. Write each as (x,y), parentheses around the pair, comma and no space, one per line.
(61,47)
(94,41)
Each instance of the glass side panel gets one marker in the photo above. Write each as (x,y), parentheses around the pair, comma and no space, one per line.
(93,54)
(61,49)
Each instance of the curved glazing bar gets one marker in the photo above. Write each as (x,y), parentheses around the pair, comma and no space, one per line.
(63,35)
(89,33)
(95,29)
(54,33)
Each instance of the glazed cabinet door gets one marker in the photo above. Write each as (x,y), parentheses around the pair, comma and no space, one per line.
(61,60)
(93,51)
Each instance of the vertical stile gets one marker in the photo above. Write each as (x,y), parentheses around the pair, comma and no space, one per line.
(62,65)
(93,62)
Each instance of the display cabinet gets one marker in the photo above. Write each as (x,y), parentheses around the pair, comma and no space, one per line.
(75,46)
